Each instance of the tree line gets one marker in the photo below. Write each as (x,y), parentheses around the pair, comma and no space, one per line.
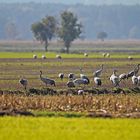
(118,21)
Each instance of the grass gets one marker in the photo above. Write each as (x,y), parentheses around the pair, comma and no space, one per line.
(77,46)
(53,55)
(22,128)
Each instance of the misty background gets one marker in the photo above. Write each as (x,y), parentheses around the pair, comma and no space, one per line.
(119,19)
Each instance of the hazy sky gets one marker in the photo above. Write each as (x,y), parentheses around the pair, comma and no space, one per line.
(78,1)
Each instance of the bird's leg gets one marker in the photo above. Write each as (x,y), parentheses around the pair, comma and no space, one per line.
(25,88)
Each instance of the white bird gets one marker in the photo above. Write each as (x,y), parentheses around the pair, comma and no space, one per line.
(115,79)
(135,80)
(71,76)
(43,57)
(34,56)
(85,54)
(97,73)
(61,76)
(47,81)
(107,55)
(97,81)
(58,56)
(24,83)
(130,58)
(104,54)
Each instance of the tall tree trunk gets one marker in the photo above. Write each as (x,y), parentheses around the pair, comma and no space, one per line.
(46,45)
(67,49)
(67,45)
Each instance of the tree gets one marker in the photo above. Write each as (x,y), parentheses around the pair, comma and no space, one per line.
(69,29)
(102,35)
(44,30)
(11,30)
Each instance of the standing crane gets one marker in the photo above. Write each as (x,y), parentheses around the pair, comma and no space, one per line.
(61,76)
(83,76)
(24,83)
(135,79)
(135,71)
(47,81)
(71,76)
(115,79)
(97,81)
(97,73)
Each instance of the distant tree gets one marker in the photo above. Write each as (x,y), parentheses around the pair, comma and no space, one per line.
(11,30)
(69,29)
(102,35)
(44,30)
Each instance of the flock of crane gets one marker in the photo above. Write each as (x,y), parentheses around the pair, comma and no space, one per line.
(84,80)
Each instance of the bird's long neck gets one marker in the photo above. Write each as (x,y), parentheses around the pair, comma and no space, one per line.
(102,67)
(114,72)
(40,75)
(138,66)
(81,71)
(134,73)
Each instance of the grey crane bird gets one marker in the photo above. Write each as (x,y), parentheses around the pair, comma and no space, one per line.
(70,84)
(71,76)
(97,81)
(80,81)
(135,71)
(139,80)
(97,73)
(123,76)
(115,79)
(135,79)
(24,83)
(83,76)
(47,81)
(137,68)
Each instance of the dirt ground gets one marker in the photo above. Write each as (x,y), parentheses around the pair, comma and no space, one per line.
(12,69)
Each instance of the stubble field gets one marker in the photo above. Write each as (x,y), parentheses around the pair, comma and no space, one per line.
(59,112)
(39,97)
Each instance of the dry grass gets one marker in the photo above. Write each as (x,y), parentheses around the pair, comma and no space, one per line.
(112,104)
(77,46)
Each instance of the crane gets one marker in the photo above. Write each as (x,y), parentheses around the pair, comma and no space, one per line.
(47,81)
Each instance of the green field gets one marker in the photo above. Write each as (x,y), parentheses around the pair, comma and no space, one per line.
(53,55)
(24,128)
